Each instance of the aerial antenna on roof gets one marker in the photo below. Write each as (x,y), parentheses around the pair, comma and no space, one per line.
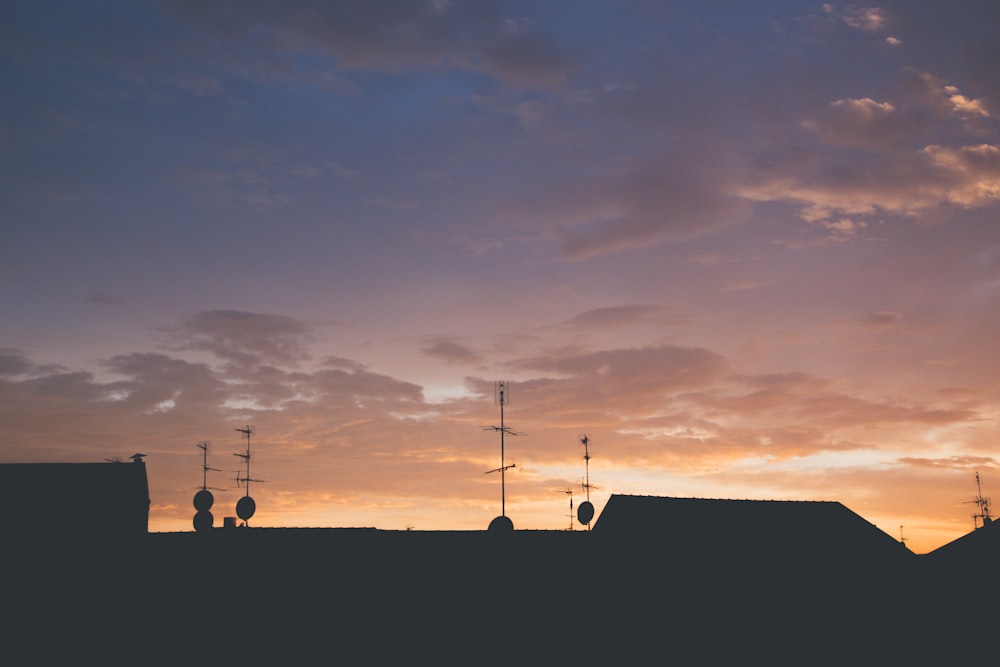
(502,522)
(570,492)
(902,540)
(203,499)
(585,513)
(245,506)
(984,506)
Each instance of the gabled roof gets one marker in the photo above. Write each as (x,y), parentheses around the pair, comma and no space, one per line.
(747,529)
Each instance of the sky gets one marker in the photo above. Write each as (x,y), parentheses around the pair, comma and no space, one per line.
(746,250)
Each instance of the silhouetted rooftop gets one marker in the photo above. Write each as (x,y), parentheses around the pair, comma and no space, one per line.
(108,498)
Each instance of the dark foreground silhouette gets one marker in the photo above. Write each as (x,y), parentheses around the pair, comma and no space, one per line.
(360,596)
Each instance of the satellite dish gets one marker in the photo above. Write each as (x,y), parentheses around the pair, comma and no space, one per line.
(585,512)
(501,524)
(245,507)
(203,520)
(203,500)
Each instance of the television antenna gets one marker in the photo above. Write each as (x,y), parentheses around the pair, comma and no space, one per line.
(983,504)
(570,493)
(501,522)
(585,513)
(245,506)
(204,447)
(203,499)
(902,540)
(135,458)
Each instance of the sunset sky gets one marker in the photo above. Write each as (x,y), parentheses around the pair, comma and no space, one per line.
(750,250)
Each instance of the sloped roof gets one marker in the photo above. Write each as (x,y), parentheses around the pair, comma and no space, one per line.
(745,529)
(979,547)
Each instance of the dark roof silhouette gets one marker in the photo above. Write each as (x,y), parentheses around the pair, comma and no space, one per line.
(981,547)
(685,580)
(67,499)
(748,529)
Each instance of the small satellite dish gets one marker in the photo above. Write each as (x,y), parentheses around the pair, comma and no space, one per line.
(203,520)
(203,500)
(245,507)
(585,512)
(501,524)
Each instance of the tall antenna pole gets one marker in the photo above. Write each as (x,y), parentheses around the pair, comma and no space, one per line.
(246,457)
(245,506)
(203,446)
(503,468)
(203,499)
(585,512)
(500,387)
(569,492)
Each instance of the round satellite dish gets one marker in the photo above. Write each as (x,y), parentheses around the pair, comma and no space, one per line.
(585,512)
(245,507)
(203,520)
(501,524)
(203,500)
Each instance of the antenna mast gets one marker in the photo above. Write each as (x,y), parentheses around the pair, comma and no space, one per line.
(586,510)
(983,504)
(504,430)
(245,506)
(203,446)
(570,515)
(203,499)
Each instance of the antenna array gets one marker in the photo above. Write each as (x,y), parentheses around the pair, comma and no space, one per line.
(203,499)
(570,515)
(585,513)
(501,522)
(245,506)
(984,506)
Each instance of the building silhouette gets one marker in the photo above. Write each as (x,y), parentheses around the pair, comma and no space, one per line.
(687,581)
(92,500)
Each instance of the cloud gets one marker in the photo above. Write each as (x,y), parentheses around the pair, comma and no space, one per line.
(154,381)
(904,185)
(615,316)
(910,158)
(968,176)
(867,19)
(857,17)
(633,380)
(244,338)
(943,99)
(881,320)
(858,122)
(451,352)
(14,363)
(392,36)
(105,299)
(672,197)
(797,398)
(963,105)
(362,388)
